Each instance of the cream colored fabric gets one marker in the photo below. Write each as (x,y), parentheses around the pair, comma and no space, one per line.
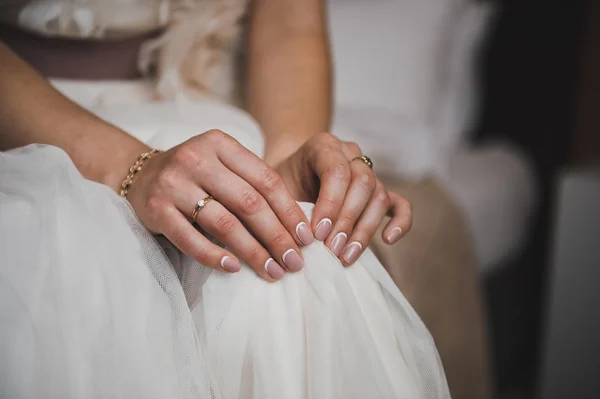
(434,266)
(193,57)
(92,307)
(85,19)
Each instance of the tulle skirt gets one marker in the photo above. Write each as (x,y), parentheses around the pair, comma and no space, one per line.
(93,306)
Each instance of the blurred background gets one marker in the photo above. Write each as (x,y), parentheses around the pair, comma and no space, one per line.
(500,101)
(541,80)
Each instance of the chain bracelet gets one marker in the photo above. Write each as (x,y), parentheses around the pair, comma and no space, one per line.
(137,166)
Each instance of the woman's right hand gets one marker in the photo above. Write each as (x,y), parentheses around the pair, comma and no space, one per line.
(252,213)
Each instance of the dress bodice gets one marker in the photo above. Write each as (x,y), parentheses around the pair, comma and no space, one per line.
(194,55)
(87,19)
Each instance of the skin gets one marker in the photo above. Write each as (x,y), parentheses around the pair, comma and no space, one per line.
(291,97)
(255,214)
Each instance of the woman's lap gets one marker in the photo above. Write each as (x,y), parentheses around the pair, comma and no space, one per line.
(105,307)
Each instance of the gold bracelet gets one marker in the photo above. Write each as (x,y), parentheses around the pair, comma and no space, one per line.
(137,166)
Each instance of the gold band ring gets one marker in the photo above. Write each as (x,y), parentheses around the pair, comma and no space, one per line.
(365,159)
(200,205)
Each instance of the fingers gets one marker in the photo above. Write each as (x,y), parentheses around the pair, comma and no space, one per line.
(184,236)
(402,217)
(254,211)
(216,220)
(357,199)
(225,227)
(367,225)
(267,182)
(333,170)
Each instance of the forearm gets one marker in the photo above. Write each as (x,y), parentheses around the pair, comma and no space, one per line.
(32,111)
(289,73)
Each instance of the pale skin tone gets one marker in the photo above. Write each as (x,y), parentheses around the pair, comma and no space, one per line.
(255,214)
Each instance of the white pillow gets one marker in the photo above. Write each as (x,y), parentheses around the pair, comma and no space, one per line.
(405,79)
(387,53)
(400,147)
(457,102)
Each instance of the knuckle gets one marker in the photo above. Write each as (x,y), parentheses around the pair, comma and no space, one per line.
(383,198)
(291,209)
(225,224)
(202,164)
(270,178)
(218,138)
(186,155)
(353,147)
(329,139)
(339,172)
(366,180)
(214,135)
(369,233)
(404,204)
(255,257)
(279,237)
(154,205)
(332,204)
(188,244)
(250,202)
(166,178)
(325,136)
(410,222)
(347,219)
(200,253)
(409,206)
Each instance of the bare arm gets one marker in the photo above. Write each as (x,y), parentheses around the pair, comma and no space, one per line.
(289,73)
(254,205)
(290,94)
(32,111)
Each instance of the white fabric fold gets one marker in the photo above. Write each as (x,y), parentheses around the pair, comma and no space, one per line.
(91,306)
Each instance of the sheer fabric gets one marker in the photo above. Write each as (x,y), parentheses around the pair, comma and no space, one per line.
(91,305)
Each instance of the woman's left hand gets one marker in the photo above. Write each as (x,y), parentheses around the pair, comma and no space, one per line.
(351,201)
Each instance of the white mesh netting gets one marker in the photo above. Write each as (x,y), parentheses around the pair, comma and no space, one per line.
(91,307)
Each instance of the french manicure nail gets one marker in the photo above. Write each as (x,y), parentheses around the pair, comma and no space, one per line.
(394,235)
(230,265)
(304,234)
(338,243)
(352,252)
(293,261)
(323,229)
(273,269)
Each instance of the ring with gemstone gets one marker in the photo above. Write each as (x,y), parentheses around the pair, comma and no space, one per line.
(365,159)
(199,206)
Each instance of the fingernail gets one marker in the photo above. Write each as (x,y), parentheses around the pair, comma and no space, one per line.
(231,265)
(293,261)
(352,252)
(323,229)
(304,234)
(394,235)
(338,243)
(273,269)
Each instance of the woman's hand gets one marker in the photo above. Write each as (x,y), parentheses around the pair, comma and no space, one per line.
(246,191)
(351,201)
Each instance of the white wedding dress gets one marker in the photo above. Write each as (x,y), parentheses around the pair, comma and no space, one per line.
(93,306)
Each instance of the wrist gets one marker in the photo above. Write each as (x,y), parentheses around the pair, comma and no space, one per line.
(279,149)
(104,153)
(118,167)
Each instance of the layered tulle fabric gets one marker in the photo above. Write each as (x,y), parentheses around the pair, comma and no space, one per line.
(93,306)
